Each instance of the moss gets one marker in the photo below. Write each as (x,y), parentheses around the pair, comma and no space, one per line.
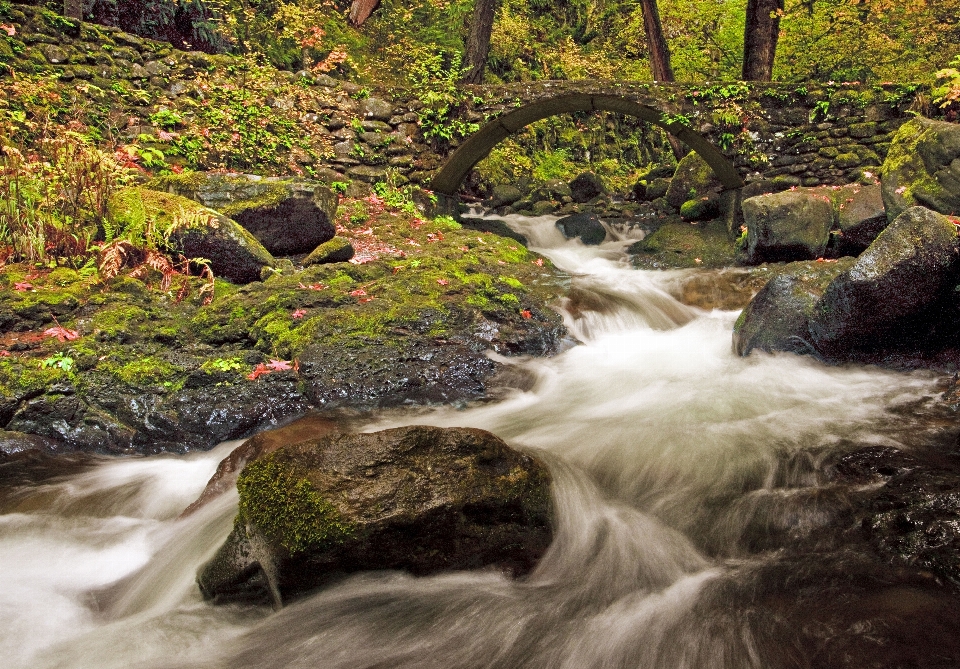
(283,505)
(149,370)
(685,245)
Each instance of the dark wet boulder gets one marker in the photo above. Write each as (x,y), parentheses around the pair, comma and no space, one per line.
(693,179)
(778,317)
(12,443)
(587,227)
(419,499)
(906,269)
(860,217)
(792,225)
(337,249)
(288,216)
(585,187)
(923,168)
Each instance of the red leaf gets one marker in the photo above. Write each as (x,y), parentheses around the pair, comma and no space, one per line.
(358,292)
(299,313)
(62,333)
(4,354)
(23,285)
(258,371)
(526,313)
(279,365)
(443,282)
(538,262)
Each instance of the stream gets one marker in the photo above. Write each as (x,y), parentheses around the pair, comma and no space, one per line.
(698,525)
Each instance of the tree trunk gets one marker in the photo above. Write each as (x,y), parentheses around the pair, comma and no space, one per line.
(361,10)
(760,36)
(659,56)
(659,52)
(478,43)
(73,9)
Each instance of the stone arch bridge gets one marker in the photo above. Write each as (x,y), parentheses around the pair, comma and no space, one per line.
(799,134)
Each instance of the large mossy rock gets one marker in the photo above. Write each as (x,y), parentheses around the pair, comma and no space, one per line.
(923,168)
(193,230)
(693,179)
(792,225)
(905,270)
(288,216)
(420,499)
(684,245)
(778,317)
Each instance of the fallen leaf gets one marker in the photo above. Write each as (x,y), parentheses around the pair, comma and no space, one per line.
(279,365)
(23,285)
(62,333)
(526,313)
(299,313)
(258,371)
(538,262)
(358,292)
(443,282)
(4,354)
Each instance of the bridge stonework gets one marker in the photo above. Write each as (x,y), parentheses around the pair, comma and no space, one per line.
(800,134)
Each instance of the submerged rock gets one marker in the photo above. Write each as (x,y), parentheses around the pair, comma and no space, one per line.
(585,226)
(421,499)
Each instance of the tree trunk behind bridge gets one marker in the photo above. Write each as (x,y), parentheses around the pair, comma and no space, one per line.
(361,10)
(659,51)
(760,35)
(478,43)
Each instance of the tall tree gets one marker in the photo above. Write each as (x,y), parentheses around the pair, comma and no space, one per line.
(478,43)
(760,34)
(659,52)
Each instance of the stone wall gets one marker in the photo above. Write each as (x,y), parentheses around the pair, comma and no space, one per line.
(800,135)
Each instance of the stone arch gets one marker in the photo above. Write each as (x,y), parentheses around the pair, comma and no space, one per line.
(478,146)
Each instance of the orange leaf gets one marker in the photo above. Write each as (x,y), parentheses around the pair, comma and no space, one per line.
(526,313)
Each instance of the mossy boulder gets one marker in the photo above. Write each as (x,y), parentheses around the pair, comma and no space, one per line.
(693,179)
(419,499)
(337,249)
(885,293)
(684,245)
(923,168)
(778,317)
(700,209)
(792,225)
(193,230)
(288,216)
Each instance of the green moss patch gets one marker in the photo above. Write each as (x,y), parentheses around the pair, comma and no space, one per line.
(286,507)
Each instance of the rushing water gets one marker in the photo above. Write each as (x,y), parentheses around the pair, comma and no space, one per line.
(683,474)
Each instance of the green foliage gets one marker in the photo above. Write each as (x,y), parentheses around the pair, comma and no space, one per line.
(946,90)
(436,83)
(282,504)
(59,361)
(222,365)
